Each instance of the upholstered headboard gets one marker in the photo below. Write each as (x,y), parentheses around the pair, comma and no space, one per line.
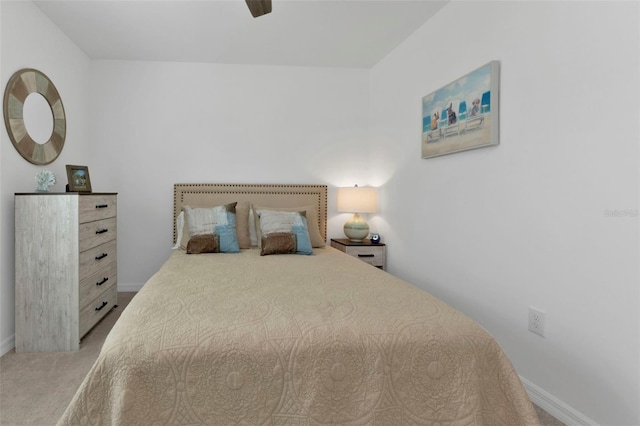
(266,195)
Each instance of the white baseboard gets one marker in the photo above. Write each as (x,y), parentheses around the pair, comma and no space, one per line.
(555,407)
(7,344)
(130,287)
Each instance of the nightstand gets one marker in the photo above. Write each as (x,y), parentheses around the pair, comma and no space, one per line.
(373,254)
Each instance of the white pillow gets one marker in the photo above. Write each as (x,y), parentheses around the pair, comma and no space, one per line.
(202,221)
(276,221)
(179,226)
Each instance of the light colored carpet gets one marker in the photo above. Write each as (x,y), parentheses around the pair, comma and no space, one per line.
(35,388)
(545,418)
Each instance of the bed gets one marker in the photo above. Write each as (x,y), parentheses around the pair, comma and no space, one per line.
(248,339)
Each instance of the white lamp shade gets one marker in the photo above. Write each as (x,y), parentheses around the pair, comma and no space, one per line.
(357,200)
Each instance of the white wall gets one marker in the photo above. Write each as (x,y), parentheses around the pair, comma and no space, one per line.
(496,230)
(156,124)
(30,40)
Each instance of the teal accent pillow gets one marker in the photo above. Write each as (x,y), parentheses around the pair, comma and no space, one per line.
(231,218)
(303,242)
(228,240)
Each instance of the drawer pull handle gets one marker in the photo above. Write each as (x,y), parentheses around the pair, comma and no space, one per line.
(102,231)
(366,255)
(102,206)
(102,306)
(104,280)
(102,256)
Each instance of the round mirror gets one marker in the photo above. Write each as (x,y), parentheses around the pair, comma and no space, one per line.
(38,120)
(36,124)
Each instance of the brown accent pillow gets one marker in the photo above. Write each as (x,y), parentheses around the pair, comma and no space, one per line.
(278,243)
(202,244)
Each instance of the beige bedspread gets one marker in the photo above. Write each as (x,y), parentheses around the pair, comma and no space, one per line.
(239,339)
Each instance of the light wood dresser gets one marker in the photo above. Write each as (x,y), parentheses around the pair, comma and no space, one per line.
(66,267)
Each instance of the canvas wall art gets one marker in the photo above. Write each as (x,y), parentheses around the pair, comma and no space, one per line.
(462,115)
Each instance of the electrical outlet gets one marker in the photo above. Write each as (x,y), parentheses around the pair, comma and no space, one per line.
(536,321)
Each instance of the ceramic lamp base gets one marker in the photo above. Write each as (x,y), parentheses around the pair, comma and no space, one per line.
(356,229)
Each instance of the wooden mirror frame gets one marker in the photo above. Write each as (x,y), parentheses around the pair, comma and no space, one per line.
(21,84)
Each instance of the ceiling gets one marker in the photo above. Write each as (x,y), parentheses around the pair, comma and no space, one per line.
(317,33)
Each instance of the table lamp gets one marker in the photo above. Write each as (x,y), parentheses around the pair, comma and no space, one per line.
(356,200)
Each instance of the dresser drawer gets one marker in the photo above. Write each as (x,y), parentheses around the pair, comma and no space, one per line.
(92,260)
(371,255)
(96,283)
(98,308)
(92,234)
(96,207)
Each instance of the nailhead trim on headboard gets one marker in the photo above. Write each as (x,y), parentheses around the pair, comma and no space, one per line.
(180,189)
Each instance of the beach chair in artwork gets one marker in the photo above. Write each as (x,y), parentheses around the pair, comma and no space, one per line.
(452,124)
(463,115)
(432,129)
(462,111)
(475,118)
(444,119)
(485,106)
(440,123)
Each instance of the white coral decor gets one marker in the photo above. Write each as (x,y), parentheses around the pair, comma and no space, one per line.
(45,180)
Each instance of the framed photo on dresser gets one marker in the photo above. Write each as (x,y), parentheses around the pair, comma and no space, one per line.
(78,178)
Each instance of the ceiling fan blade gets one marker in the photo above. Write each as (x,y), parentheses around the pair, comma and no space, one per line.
(259,7)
